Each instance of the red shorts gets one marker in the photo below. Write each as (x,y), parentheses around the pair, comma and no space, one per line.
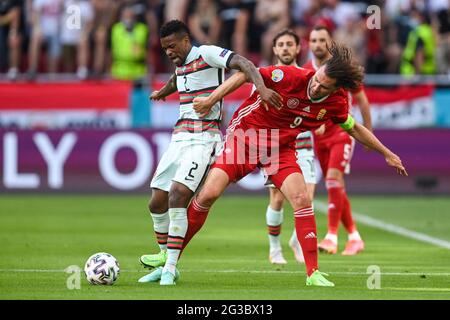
(239,157)
(335,152)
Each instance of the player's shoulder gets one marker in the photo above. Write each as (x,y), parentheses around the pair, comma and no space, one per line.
(279,73)
(212,50)
(340,96)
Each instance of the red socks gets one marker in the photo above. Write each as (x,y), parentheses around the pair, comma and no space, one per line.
(346,217)
(335,203)
(305,226)
(196,218)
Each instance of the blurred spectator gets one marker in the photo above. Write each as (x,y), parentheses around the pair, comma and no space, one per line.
(105,12)
(420,52)
(235,17)
(271,16)
(441,19)
(352,33)
(154,18)
(75,38)
(129,40)
(176,9)
(306,15)
(10,35)
(46,16)
(204,22)
(245,26)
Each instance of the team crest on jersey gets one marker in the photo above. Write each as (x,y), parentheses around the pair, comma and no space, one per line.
(277,75)
(321,114)
(293,103)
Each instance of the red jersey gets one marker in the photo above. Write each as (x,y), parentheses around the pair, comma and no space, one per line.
(331,129)
(298,114)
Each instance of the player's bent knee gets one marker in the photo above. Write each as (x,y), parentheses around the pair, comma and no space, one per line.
(300,200)
(179,196)
(208,196)
(157,207)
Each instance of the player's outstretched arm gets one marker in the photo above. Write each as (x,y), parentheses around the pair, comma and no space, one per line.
(203,105)
(169,88)
(364,107)
(246,66)
(367,138)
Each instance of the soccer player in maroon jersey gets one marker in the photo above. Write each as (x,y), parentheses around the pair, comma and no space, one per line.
(309,100)
(334,148)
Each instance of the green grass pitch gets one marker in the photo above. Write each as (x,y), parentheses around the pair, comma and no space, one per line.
(41,235)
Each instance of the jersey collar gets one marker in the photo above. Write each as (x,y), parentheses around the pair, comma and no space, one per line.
(192,55)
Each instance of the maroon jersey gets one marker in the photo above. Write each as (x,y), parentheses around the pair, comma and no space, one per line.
(298,114)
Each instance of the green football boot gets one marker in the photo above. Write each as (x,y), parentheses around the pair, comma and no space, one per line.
(318,279)
(154,260)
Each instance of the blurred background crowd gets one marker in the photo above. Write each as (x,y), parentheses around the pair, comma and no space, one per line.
(119,38)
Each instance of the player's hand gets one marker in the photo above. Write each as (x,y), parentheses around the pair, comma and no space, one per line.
(202,106)
(321,130)
(271,97)
(156,96)
(394,161)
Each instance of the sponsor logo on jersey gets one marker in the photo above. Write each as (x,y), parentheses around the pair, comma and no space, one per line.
(307,109)
(293,103)
(321,114)
(277,75)
(223,53)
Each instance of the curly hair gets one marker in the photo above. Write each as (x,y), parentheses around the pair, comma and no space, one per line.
(349,74)
(174,27)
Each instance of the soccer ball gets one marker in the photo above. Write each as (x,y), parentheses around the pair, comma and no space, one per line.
(102,268)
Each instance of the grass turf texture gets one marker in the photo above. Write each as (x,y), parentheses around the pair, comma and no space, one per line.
(43,235)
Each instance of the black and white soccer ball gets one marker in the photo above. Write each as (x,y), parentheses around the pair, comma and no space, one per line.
(102,268)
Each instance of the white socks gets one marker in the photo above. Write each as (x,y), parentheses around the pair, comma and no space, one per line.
(161,227)
(274,219)
(177,231)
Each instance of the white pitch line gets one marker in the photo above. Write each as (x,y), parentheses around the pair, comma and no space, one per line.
(371,222)
(442,274)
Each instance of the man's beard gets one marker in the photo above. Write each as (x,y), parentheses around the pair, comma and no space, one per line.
(320,55)
(287,60)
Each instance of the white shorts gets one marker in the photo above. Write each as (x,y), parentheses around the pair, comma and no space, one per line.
(186,162)
(305,159)
(306,162)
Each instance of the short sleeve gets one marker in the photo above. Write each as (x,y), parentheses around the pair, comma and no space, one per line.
(216,57)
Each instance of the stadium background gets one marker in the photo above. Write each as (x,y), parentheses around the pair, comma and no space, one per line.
(65,133)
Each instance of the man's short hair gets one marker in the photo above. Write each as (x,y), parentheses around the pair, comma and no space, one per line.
(320,27)
(288,32)
(174,27)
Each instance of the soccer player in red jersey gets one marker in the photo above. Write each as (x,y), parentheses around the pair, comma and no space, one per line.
(286,47)
(309,100)
(334,149)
